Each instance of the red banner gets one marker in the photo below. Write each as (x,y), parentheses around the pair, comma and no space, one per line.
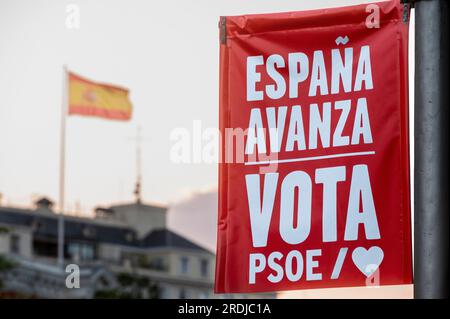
(314,173)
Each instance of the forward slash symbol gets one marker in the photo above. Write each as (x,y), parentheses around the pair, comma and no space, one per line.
(342,40)
(339,262)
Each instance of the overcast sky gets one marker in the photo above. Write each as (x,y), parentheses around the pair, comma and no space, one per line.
(165,52)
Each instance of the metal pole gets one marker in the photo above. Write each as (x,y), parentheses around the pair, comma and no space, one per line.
(431,236)
(62,168)
(138,164)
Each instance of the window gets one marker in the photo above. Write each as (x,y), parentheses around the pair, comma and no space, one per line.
(81,251)
(204,265)
(89,231)
(87,252)
(74,251)
(158,264)
(184,265)
(14,244)
(203,295)
(182,294)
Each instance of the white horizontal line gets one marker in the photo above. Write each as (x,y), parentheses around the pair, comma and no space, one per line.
(311,158)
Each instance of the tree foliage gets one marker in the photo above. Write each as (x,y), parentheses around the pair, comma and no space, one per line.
(131,286)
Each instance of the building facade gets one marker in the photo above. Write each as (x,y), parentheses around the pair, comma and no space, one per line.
(122,241)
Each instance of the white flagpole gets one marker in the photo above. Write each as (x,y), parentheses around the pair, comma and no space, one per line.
(62,164)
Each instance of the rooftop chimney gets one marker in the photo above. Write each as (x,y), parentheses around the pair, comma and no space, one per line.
(44,203)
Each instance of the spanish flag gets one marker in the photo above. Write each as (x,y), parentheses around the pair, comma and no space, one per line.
(90,98)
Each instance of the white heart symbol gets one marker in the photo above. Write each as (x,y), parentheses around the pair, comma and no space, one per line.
(342,40)
(367,260)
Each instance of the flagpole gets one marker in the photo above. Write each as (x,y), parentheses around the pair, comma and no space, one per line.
(62,164)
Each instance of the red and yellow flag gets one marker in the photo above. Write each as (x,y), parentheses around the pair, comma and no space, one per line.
(97,99)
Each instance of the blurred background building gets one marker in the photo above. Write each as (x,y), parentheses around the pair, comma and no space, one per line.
(125,251)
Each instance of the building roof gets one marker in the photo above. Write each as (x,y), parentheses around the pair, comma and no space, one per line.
(169,239)
(140,205)
(46,226)
(44,201)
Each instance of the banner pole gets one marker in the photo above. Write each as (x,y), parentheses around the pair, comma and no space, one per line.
(431,236)
(62,164)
